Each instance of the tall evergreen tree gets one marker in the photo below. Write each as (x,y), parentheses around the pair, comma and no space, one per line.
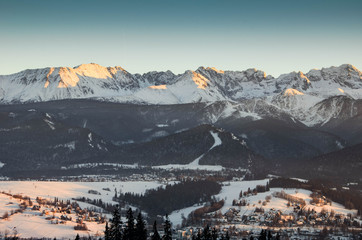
(77,237)
(156,235)
(214,234)
(106,232)
(277,237)
(198,236)
(115,231)
(206,235)
(129,231)
(270,236)
(227,237)
(115,193)
(262,235)
(141,231)
(167,229)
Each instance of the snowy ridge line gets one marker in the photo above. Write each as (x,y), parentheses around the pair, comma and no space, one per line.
(203,84)
(247,93)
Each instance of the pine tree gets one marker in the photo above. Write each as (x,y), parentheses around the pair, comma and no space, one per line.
(156,235)
(227,237)
(262,235)
(206,235)
(129,232)
(214,234)
(270,236)
(77,237)
(106,232)
(277,236)
(167,229)
(115,232)
(198,236)
(115,193)
(141,232)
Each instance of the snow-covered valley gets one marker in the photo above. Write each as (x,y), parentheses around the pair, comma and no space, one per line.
(49,222)
(32,223)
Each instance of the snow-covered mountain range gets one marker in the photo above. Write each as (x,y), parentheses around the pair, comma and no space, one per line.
(93,114)
(311,98)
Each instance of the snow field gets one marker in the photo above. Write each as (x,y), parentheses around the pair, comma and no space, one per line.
(31,224)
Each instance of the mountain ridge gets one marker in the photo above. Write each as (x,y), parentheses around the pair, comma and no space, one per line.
(306,97)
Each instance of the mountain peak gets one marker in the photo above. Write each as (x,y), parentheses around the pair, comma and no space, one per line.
(292,92)
(199,80)
(215,69)
(205,84)
(87,65)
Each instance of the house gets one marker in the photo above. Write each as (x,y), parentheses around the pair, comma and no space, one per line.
(36,208)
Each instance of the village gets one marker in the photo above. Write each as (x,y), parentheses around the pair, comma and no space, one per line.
(243,209)
(54,212)
(297,219)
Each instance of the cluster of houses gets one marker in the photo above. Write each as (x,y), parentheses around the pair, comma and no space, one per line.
(59,212)
(298,223)
(297,218)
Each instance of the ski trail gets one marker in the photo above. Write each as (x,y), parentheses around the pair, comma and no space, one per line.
(217,142)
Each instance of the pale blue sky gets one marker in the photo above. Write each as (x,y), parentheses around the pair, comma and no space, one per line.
(274,36)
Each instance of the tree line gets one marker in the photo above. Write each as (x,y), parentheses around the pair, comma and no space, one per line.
(164,200)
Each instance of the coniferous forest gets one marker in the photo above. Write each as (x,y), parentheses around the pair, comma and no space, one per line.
(162,201)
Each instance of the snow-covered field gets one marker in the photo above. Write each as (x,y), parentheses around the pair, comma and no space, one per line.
(31,224)
(69,190)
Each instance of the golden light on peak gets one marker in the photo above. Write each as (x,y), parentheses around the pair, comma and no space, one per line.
(158,87)
(199,80)
(216,70)
(49,73)
(303,76)
(292,92)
